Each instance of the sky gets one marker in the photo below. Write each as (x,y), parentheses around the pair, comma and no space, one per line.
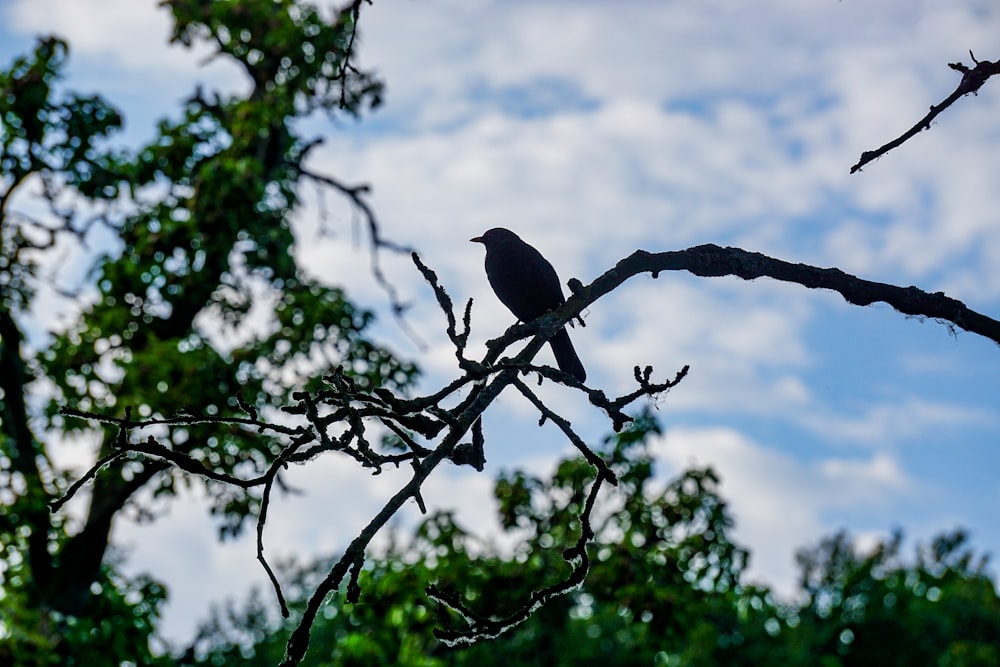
(594,129)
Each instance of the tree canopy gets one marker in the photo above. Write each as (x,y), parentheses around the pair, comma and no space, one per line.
(667,588)
(202,247)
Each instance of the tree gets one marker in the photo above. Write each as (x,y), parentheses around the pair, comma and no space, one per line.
(52,142)
(200,218)
(664,566)
(864,609)
(667,589)
(874,607)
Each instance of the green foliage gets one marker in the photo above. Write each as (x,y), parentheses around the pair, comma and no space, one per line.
(43,133)
(205,306)
(56,138)
(197,304)
(867,609)
(116,631)
(665,589)
(664,563)
(294,54)
(872,608)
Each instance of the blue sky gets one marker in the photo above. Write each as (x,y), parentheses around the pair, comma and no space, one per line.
(594,129)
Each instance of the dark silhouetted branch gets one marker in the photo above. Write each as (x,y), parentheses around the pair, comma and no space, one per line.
(480,627)
(338,417)
(714,261)
(972,80)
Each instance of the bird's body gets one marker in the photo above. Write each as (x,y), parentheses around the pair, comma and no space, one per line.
(528,285)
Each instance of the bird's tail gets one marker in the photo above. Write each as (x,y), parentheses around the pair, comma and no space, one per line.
(566,357)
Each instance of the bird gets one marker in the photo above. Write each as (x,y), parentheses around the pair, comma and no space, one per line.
(526,283)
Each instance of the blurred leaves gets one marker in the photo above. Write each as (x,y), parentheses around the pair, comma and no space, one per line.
(649,592)
(193,301)
(669,590)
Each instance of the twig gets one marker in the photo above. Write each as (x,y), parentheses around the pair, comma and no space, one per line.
(972,80)
(567,429)
(459,340)
(480,627)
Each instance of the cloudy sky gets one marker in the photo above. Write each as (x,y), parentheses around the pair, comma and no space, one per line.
(593,129)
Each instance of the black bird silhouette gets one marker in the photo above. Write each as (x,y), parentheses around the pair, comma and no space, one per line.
(528,285)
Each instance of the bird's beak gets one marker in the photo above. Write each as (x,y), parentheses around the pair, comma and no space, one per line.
(477,239)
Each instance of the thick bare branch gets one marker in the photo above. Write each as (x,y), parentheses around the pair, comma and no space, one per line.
(714,261)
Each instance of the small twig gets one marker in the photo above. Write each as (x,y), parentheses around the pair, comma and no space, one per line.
(567,429)
(459,340)
(480,627)
(972,80)
(261,519)
(345,64)
(356,193)
(353,588)
(57,504)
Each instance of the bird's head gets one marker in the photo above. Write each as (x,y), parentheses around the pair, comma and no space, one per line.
(495,236)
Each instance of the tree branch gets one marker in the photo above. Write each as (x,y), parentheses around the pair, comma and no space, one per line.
(481,627)
(356,194)
(335,418)
(972,80)
(710,260)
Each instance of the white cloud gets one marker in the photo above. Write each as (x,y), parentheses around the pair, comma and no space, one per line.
(743,343)
(130,33)
(865,480)
(182,549)
(887,424)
